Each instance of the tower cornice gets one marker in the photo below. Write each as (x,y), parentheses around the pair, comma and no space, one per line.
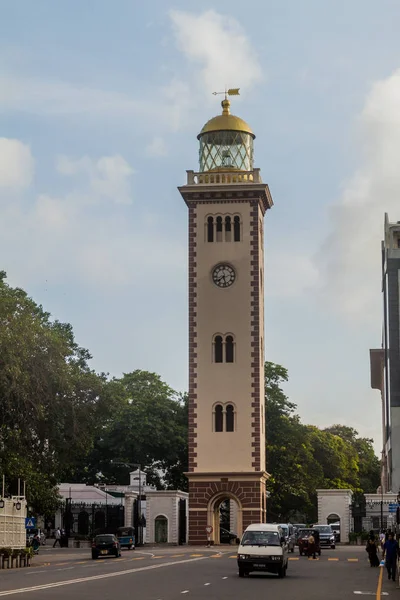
(237,192)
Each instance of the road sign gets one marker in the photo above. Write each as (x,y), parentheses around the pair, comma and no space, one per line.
(30,523)
(209,529)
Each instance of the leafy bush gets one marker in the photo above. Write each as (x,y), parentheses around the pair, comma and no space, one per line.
(353,536)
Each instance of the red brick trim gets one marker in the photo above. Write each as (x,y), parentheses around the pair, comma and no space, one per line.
(192,338)
(248,493)
(255,334)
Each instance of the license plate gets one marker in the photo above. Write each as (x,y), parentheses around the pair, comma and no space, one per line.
(104,552)
(259,565)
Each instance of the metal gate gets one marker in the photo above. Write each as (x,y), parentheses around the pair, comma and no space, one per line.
(182,521)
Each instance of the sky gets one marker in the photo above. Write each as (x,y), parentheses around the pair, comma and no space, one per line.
(100,106)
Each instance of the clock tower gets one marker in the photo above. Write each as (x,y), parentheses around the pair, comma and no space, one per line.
(227,201)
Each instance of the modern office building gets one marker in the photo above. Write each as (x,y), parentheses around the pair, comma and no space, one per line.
(385,362)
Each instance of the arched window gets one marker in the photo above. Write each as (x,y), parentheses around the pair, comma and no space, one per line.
(236,229)
(228,229)
(230,418)
(210,229)
(218,349)
(229,349)
(219,229)
(219,418)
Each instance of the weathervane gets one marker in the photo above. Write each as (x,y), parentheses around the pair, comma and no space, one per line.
(230,92)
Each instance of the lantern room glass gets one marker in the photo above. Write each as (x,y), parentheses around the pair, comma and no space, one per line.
(226,150)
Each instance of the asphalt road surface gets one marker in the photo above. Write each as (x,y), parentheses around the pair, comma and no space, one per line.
(198,573)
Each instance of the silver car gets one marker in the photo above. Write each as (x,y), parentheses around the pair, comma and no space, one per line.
(289,533)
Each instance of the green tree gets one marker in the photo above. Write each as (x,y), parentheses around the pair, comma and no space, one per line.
(148,427)
(368,463)
(49,397)
(302,458)
(293,470)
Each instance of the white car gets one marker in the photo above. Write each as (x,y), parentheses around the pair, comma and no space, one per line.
(263,547)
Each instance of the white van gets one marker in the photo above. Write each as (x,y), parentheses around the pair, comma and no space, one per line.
(263,548)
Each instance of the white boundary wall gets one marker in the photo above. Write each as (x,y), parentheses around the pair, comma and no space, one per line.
(12,523)
(165,503)
(337,502)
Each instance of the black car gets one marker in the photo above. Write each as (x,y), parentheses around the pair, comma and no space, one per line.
(106,545)
(226,537)
(326,535)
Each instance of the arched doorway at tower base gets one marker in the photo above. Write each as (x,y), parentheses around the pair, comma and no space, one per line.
(214,515)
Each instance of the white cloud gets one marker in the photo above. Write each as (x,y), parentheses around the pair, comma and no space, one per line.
(218,52)
(349,261)
(289,276)
(54,97)
(157,147)
(219,45)
(16,164)
(51,98)
(109,177)
(69,237)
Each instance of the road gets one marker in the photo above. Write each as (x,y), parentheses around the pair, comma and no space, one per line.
(198,573)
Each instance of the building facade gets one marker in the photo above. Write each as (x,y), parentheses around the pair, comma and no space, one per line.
(227,202)
(385,363)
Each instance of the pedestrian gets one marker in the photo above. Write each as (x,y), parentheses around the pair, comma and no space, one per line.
(58,538)
(382,539)
(390,554)
(371,535)
(311,546)
(372,553)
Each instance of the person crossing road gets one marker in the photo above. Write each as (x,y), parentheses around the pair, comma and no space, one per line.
(58,538)
(390,554)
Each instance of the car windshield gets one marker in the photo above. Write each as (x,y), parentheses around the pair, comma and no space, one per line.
(284,528)
(261,538)
(104,538)
(123,532)
(323,528)
(305,532)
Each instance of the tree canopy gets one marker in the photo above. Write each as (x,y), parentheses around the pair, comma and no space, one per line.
(302,458)
(61,421)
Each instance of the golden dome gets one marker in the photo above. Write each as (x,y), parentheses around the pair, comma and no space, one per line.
(226,122)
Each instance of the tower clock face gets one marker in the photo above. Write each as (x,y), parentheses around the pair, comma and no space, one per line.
(223,275)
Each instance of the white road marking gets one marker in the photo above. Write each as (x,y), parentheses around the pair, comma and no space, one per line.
(65,569)
(185,592)
(370,593)
(224,578)
(35,572)
(47,586)
(207,584)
